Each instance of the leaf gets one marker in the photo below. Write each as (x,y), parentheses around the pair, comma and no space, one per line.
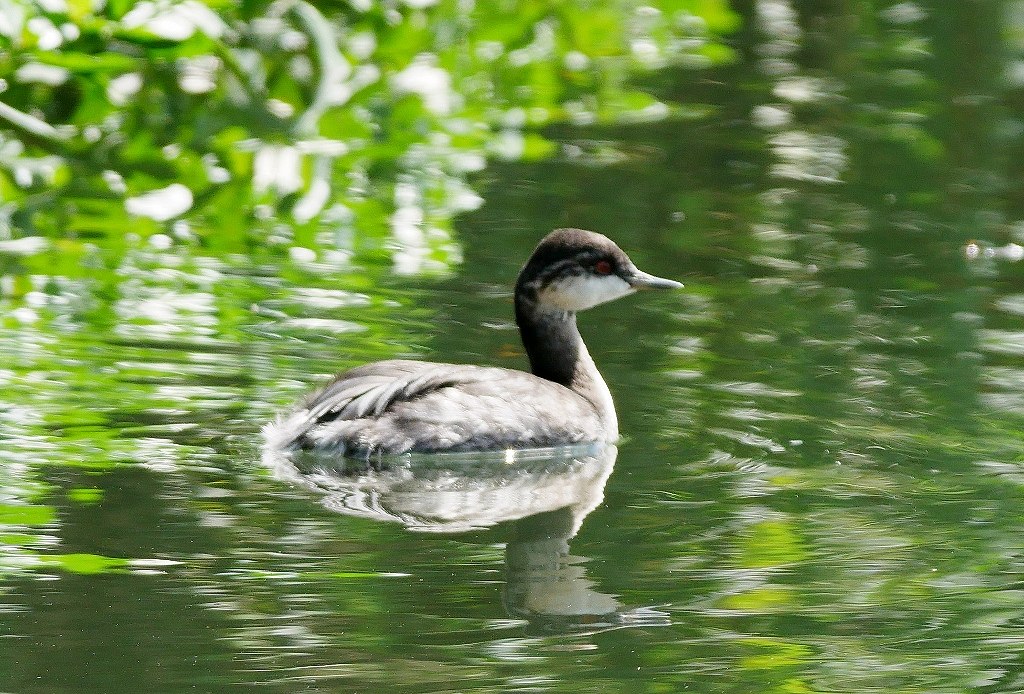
(84,63)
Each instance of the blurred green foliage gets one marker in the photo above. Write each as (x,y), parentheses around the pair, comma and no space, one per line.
(243,126)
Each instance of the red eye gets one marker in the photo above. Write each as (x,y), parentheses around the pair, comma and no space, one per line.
(603,267)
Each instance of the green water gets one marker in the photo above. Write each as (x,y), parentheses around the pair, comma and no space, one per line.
(820,482)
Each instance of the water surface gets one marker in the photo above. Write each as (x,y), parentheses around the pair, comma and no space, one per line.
(819,486)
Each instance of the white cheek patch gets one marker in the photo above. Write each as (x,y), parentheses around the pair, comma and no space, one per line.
(584,291)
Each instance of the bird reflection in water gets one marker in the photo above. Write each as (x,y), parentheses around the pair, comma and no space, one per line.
(540,497)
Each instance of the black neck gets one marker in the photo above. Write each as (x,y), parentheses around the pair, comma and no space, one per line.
(552,341)
(557,353)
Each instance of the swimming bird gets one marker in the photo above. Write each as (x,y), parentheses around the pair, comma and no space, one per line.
(399,406)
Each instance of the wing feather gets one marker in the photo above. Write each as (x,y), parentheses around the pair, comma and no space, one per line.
(398,405)
(373,389)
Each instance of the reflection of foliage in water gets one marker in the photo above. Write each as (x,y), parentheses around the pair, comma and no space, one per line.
(281,124)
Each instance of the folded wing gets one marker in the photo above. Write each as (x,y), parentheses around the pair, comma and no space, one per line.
(398,406)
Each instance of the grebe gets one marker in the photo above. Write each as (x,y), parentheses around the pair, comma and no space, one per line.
(399,406)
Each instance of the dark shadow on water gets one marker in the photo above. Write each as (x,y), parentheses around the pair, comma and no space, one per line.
(537,499)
